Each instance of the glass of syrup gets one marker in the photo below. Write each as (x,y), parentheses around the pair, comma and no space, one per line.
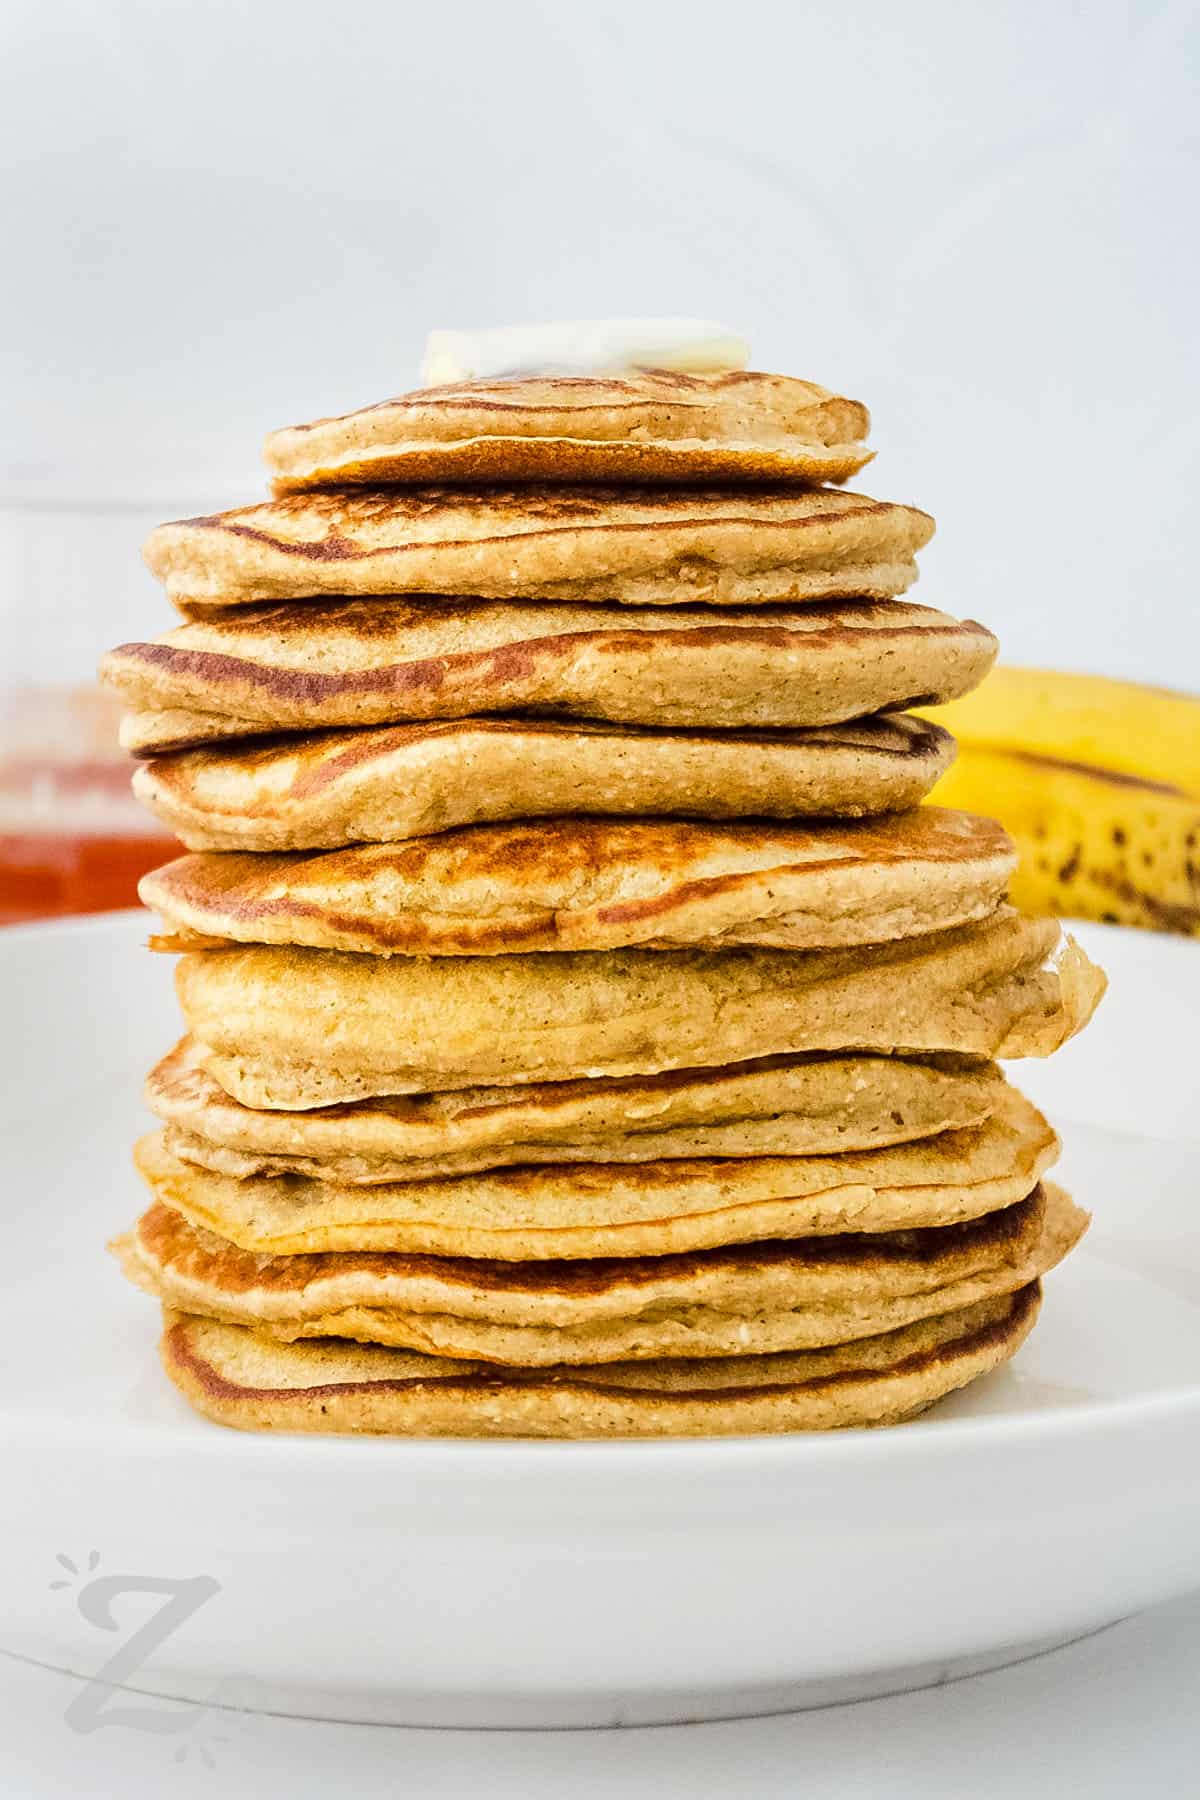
(72,837)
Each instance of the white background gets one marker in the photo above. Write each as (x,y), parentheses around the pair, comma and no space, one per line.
(981,219)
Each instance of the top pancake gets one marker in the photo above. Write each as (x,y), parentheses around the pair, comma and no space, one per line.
(374,662)
(649,425)
(637,546)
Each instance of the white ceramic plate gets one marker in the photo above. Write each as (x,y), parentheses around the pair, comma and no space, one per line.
(528,1583)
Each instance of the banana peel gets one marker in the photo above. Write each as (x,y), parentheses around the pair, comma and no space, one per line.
(1098,783)
(1121,726)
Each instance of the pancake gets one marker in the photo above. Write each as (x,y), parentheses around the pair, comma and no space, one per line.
(387,783)
(293,1028)
(779,1106)
(745,1300)
(602,1209)
(371,662)
(599,884)
(650,425)
(638,546)
(240,1378)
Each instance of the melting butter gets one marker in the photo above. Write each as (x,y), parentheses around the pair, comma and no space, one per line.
(582,347)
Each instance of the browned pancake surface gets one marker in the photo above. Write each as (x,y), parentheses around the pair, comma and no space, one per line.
(636,546)
(287,667)
(593,884)
(388,783)
(741,1301)
(648,425)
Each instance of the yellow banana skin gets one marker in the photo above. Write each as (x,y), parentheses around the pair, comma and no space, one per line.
(1150,732)
(1093,843)
(1098,782)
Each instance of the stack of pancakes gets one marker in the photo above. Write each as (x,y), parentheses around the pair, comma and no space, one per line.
(588,1030)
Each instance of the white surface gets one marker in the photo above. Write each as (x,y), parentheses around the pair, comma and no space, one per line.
(225,218)
(1108,1718)
(454,1582)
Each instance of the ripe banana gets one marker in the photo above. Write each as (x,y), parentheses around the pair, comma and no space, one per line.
(1119,725)
(1099,784)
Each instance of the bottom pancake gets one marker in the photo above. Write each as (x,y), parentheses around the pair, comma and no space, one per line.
(236,1377)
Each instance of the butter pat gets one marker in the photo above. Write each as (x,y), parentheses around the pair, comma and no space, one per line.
(582,347)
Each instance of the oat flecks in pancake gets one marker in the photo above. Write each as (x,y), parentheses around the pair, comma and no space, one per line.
(775,1106)
(535,1212)
(297,1028)
(645,546)
(587,883)
(648,425)
(368,662)
(387,783)
(239,1378)
(745,1300)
